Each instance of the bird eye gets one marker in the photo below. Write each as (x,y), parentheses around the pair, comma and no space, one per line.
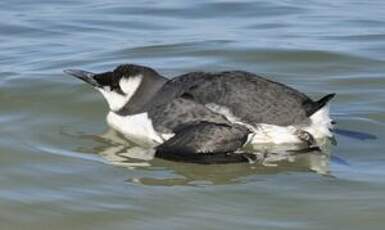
(104,79)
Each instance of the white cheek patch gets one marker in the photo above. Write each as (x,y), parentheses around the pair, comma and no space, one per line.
(117,101)
(130,85)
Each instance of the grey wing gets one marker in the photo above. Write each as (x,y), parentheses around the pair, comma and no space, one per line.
(206,142)
(251,98)
(166,117)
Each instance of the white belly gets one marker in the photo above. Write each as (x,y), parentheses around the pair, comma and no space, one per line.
(139,129)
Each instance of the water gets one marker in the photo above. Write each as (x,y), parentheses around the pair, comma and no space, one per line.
(59,170)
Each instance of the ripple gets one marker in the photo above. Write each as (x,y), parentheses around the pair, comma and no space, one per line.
(206,10)
(57,172)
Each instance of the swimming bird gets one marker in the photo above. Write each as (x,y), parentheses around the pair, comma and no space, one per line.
(207,117)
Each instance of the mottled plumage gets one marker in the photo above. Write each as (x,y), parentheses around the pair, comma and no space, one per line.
(251,98)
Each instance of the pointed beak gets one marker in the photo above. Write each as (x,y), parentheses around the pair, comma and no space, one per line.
(84,76)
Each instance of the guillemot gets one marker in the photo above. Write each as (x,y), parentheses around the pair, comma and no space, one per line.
(207,117)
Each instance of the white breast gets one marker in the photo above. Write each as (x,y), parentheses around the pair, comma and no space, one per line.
(137,128)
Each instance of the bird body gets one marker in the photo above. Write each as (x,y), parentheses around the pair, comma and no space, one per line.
(202,116)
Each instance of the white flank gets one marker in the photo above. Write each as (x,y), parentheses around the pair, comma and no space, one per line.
(266,133)
(226,112)
(128,85)
(223,110)
(319,126)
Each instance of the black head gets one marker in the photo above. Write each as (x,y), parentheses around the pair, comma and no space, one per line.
(119,85)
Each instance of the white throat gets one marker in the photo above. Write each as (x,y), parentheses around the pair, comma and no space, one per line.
(115,100)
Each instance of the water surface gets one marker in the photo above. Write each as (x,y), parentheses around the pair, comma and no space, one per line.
(59,170)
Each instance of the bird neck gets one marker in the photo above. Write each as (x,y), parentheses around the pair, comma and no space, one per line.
(148,88)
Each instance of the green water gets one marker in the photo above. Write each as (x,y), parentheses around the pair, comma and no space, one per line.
(58,169)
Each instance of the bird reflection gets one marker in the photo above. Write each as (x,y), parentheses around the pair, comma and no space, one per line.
(117,150)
